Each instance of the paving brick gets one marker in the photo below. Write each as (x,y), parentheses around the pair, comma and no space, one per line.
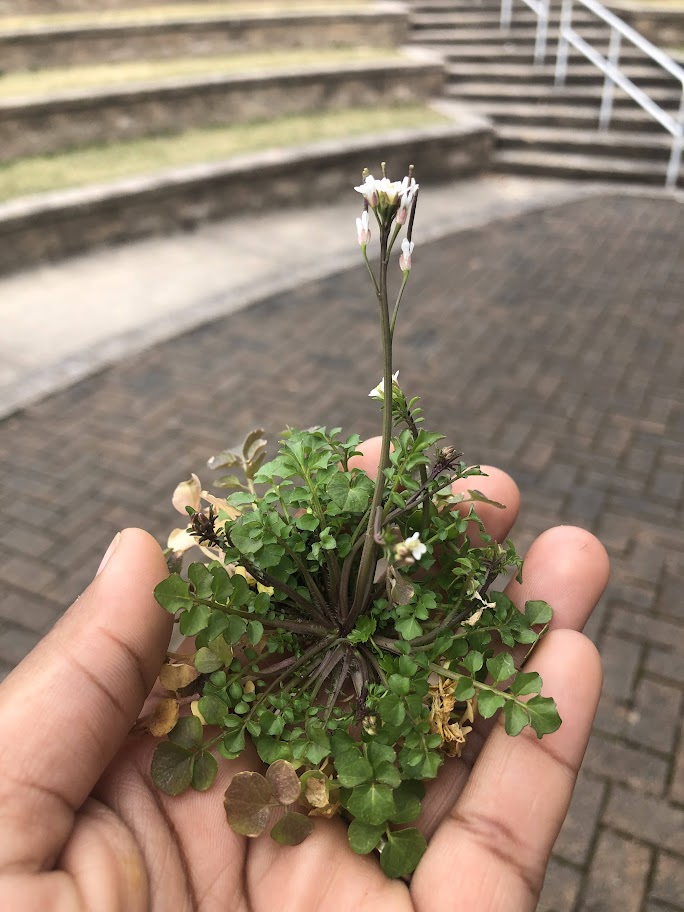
(670,599)
(645,818)
(668,884)
(577,833)
(21,608)
(677,784)
(620,660)
(561,888)
(664,664)
(649,629)
(15,643)
(617,876)
(617,761)
(655,720)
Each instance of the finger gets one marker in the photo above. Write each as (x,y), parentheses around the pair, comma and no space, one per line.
(494,484)
(567,567)
(509,814)
(65,710)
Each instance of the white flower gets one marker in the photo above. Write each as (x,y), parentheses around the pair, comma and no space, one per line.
(410,550)
(363,229)
(383,192)
(369,190)
(415,546)
(405,258)
(408,190)
(378,392)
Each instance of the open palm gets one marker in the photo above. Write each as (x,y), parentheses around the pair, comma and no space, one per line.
(83,828)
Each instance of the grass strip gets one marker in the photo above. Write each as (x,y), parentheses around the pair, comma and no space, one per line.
(47,82)
(173,11)
(95,164)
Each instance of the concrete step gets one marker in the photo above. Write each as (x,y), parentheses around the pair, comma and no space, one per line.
(522,37)
(655,147)
(521,19)
(579,167)
(381,25)
(43,125)
(518,53)
(579,117)
(570,95)
(544,74)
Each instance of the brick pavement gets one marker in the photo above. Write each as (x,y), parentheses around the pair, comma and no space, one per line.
(550,344)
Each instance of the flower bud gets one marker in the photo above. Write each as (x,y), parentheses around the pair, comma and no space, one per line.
(363,229)
(405,258)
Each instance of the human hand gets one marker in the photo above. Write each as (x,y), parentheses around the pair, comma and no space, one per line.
(82,828)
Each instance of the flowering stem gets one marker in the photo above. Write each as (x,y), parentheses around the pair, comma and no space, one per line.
(396,306)
(364,577)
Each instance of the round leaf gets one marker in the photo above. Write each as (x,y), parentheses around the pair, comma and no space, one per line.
(516,718)
(187,732)
(163,718)
(488,702)
(207,661)
(172,768)
(538,612)
(402,852)
(177,675)
(204,771)
(173,593)
(248,803)
(292,829)
(353,768)
(284,782)
(372,803)
(364,837)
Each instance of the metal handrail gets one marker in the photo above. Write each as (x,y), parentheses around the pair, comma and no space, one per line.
(541,8)
(614,76)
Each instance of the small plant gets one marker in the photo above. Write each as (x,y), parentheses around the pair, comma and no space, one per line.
(344,623)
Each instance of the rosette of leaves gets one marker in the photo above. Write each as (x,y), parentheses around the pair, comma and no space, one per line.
(358,700)
(345,624)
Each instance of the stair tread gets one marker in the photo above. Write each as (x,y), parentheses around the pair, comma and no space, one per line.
(572,136)
(506,70)
(580,162)
(541,91)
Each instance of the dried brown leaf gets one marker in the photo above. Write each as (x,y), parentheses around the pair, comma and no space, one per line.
(248,803)
(284,781)
(175,676)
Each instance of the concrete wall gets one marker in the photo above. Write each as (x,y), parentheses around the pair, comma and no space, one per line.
(663,26)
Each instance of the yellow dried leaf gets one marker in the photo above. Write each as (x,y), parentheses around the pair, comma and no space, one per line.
(175,676)
(195,710)
(163,718)
(316,792)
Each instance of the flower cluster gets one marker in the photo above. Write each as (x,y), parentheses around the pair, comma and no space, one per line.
(392,202)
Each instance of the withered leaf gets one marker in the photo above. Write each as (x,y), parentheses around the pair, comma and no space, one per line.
(175,676)
(316,791)
(248,803)
(283,779)
(401,589)
(163,718)
(292,829)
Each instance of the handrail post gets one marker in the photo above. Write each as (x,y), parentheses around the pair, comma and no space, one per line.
(542,32)
(677,147)
(506,14)
(562,52)
(608,85)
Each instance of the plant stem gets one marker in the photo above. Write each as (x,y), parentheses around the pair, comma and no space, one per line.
(302,627)
(366,565)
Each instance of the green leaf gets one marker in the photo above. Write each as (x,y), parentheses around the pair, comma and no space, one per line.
(213,709)
(207,661)
(516,718)
(538,612)
(408,628)
(172,767)
(407,799)
(501,667)
(201,579)
(363,630)
(187,732)
(351,493)
(364,837)
(352,768)
(194,620)
(473,661)
(391,709)
(372,802)
(526,683)
(464,689)
(247,803)
(307,522)
(204,771)
(402,852)
(488,702)
(407,666)
(271,724)
(255,631)
(398,684)
(173,593)
(222,585)
(270,750)
(292,829)
(544,717)
(479,497)
(319,743)
(221,650)
(235,630)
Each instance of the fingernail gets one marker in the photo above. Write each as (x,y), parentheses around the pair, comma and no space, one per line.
(108,553)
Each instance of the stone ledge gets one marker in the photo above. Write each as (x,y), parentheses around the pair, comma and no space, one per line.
(384,24)
(56,225)
(46,125)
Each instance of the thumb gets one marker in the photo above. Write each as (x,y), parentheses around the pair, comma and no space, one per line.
(66,709)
